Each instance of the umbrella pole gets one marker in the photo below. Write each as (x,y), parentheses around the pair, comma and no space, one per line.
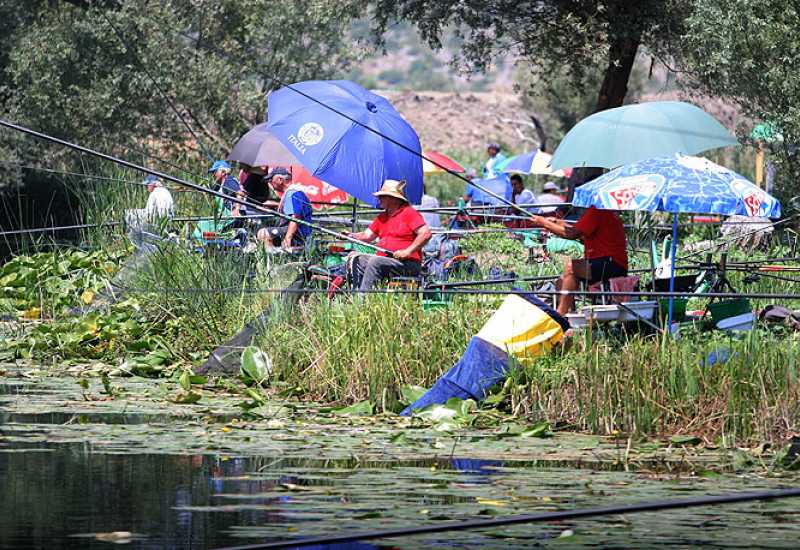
(672,253)
(355,215)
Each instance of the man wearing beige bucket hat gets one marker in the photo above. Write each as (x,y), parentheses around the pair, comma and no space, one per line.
(401,230)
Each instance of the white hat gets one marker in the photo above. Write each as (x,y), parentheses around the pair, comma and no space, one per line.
(550,186)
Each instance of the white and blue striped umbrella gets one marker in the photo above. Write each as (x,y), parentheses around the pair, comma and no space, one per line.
(677,184)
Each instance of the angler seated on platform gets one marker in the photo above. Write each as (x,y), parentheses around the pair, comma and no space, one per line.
(606,255)
(223,182)
(286,233)
(401,230)
(144,224)
(255,184)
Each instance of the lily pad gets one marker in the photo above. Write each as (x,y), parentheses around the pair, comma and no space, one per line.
(256,365)
(685,440)
(361,408)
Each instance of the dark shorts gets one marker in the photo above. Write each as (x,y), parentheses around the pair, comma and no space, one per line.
(276,235)
(603,269)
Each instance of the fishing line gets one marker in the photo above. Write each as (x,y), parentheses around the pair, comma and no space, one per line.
(184,183)
(529,518)
(133,53)
(65,173)
(275,79)
(477,292)
(723,242)
(163,160)
(58,228)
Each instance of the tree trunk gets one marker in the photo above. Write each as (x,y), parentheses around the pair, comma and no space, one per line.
(621,55)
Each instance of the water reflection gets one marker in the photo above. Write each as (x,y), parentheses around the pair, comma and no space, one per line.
(46,497)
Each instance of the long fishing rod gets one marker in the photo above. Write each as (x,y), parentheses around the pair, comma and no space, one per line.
(403,146)
(58,228)
(66,173)
(584,513)
(444,209)
(164,161)
(184,183)
(471,292)
(724,242)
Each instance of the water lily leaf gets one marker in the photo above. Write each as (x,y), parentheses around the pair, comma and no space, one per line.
(510,429)
(363,407)
(454,409)
(186,397)
(445,426)
(462,407)
(399,438)
(436,413)
(185,381)
(258,399)
(410,394)
(685,440)
(540,429)
(256,364)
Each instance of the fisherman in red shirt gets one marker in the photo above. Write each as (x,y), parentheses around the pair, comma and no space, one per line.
(605,250)
(401,230)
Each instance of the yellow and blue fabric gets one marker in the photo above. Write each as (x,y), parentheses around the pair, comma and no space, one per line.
(522,328)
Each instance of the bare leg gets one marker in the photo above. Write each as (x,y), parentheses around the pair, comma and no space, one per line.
(574,272)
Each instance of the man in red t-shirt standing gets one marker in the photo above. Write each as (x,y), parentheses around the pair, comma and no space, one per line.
(401,230)
(605,250)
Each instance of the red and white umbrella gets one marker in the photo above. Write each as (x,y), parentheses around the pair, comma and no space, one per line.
(444,161)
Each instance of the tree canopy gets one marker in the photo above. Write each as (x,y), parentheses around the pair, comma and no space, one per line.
(549,34)
(747,51)
(128,72)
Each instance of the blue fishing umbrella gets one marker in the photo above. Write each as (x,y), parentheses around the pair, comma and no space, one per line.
(347,136)
(535,162)
(677,184)
(616,137)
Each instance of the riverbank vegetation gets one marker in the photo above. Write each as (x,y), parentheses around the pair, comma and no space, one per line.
(724,388)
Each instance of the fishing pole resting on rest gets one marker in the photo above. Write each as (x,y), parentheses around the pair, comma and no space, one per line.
(184,183)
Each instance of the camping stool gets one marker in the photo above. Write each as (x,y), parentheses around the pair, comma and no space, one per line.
(627,283)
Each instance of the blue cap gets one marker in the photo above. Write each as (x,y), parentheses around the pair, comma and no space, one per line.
(219,165)
(152,179)
(279,171)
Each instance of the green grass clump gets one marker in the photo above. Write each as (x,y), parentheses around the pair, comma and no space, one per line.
(368,348)
(652,386)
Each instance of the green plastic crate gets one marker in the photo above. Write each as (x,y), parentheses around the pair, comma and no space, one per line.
(729,308)
(678,308)
(428,305)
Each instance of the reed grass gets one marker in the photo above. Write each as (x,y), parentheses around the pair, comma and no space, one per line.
(369,347)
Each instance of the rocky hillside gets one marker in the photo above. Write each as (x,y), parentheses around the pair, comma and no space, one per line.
(464,121)
(467,121)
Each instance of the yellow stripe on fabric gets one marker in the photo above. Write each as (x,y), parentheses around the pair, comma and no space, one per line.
(521,329)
